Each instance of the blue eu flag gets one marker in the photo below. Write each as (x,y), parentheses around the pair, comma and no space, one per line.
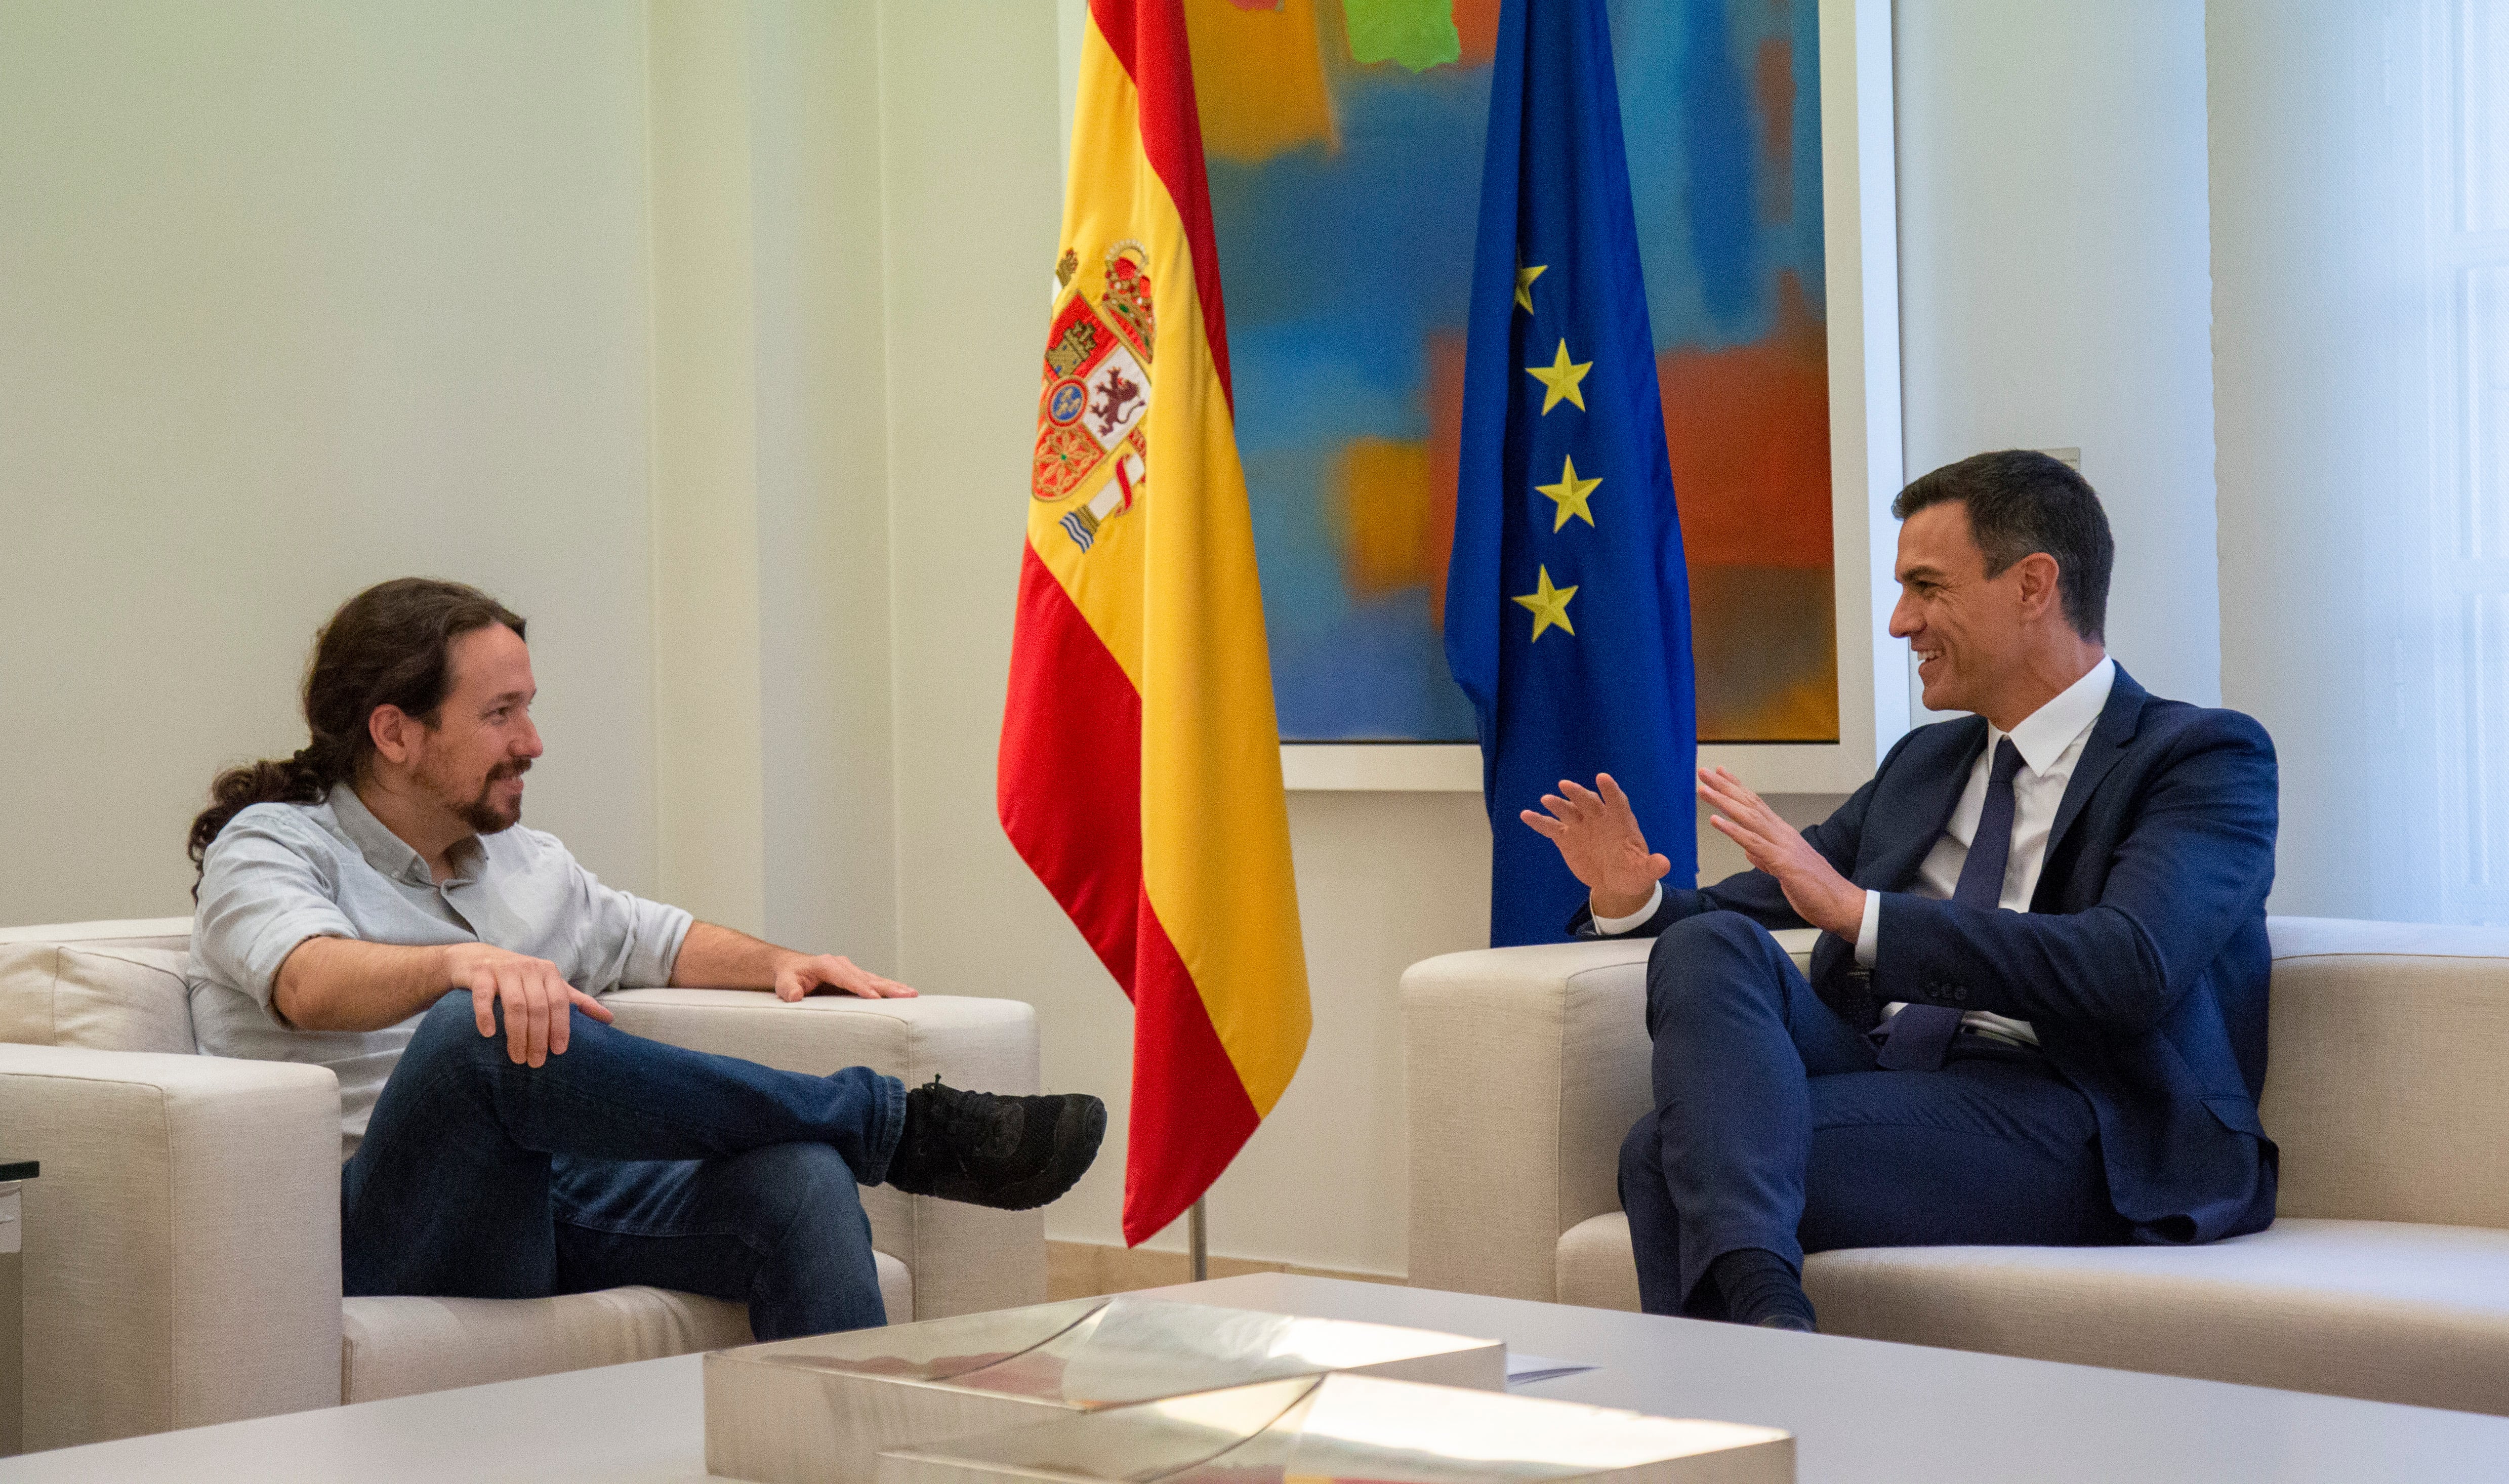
(1567,603)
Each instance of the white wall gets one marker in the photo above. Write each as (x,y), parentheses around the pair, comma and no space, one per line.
(710,788)
(2054,281)
(823,595)
(295,297)
(770,488)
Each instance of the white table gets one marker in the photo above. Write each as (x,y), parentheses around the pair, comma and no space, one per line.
(1862,1412)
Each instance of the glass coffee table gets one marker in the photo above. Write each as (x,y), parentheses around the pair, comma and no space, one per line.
(1862,1411)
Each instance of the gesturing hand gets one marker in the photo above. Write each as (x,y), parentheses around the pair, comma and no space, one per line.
(1813,888)
(536,996)
(1599,838)
(801,975)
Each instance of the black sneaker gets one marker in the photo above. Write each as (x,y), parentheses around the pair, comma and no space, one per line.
(986,1149)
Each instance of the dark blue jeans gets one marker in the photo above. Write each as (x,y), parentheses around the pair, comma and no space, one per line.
(1773,1128)
(623,1161)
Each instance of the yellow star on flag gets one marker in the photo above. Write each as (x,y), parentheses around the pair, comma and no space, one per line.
(1561,379)
(1548,603)
(1525,277)
(1569,494)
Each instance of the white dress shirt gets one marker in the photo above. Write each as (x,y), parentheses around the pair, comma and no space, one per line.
(2051,741)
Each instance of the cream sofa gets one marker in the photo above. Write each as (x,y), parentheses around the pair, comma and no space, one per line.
(182,1245)
(2385,1276)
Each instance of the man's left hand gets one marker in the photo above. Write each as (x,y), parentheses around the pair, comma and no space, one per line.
(833,974)
(1813,888)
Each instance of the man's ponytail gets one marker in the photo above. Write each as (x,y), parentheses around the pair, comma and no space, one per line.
(298,779)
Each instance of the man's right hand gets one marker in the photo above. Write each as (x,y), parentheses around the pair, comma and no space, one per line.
(1598,836)
(536,996)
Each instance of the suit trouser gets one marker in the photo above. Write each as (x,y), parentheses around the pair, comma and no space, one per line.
(1773,1128)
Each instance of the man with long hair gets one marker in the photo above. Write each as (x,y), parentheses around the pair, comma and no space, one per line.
(372,905)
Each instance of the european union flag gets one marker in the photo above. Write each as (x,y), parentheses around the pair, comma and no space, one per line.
(1567,603)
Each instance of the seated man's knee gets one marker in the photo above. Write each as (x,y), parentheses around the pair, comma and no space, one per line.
(1712,931)
(796,1186)
(450,1028)
(1710,953)
(1641,1152)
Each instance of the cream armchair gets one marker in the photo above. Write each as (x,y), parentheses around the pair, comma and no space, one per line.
(2386,1275)
(182,1246)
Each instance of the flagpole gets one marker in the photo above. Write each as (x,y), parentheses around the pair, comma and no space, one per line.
(1197,1240)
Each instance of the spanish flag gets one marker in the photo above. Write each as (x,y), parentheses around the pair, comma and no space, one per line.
(1140,764)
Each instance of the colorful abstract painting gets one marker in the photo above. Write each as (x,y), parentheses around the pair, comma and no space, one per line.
(1344,139)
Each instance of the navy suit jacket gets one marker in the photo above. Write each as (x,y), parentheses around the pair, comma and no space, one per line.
(2141,964)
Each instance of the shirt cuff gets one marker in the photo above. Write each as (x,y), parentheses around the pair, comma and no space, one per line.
(1868,933)
(1613,927)
(655,937)
(288,929)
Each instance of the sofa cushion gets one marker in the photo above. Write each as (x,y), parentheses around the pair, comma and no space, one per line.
(128,932)
(104,996)
(2382,1079)
(2387,1311)
(1597,1267)
(399,1346)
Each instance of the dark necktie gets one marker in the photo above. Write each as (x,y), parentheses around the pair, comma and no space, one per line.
(1918,1035)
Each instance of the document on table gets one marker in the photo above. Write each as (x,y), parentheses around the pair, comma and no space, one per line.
(1523,1369)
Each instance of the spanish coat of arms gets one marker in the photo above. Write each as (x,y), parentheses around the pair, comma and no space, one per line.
(1096,395)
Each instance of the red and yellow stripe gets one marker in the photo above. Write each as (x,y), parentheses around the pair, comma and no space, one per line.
(1140,773)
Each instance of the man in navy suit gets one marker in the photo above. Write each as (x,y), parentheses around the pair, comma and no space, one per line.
(2037,1013)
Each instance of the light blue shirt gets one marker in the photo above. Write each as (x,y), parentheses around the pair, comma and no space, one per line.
(281,874)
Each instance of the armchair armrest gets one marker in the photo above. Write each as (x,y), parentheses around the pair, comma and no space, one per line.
(182,1248)
(962,1258)
(1524,1070)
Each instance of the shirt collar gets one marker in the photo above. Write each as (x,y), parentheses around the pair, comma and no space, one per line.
(2043,736)
(385,851)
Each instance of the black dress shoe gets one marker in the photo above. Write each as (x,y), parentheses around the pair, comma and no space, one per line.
(986,1149)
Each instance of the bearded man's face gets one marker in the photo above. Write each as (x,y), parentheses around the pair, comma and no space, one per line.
(483,741)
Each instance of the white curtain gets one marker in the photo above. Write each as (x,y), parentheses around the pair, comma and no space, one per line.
(2360,198)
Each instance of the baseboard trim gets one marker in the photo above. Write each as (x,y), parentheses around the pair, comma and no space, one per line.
(1080,1268)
